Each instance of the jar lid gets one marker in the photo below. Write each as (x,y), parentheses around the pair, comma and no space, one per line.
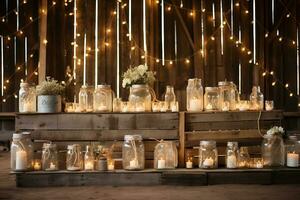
(139,85)
(73,146)
(223,83)
(207,142)
(49,145)
(18,136)
(231,144)
(133,137)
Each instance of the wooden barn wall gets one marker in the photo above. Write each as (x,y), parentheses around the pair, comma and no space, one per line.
(210,65)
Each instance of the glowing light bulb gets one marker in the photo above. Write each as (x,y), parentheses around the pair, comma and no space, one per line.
(287,85)
(273,83)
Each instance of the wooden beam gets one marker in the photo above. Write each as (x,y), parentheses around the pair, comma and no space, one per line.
(43,36)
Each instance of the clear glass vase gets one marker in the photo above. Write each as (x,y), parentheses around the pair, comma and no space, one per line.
(27,98)
(208,154)
(232,153)
(133,152)
(165,155)
(103,98)
(273,151)
(74,158)
(256,99)
(140,97)
(194,91)
(49,157)
(170,97)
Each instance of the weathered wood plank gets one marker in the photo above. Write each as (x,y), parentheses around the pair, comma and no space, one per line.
(181,139)
(34,121)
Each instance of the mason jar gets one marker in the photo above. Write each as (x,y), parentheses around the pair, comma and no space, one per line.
(49,157)
(208,155)
(170,97)
(232,153)
(292,152)
(244,158)
(165,155)
(256,99)
(133,152)
(140,95)
(89,159)
(273,152)
(29,145)
(20,154)
(27,98)
(227,96)
(103,99)
(86,98)
(74,158)
(211,99)
(194,91)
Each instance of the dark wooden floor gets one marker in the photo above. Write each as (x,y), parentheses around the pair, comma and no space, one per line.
(8,191)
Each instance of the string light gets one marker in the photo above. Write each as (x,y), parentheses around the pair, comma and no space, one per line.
(264,74)
(191,13)
(266,35)
(157,60)
(212,38)
(291,94)
(187,61)
(171,62)
(280,39)
(286,85)
(237,4)
(273,83)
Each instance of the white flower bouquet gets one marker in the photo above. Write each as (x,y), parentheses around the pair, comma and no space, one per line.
(275,130)
(138,75)
(50,87)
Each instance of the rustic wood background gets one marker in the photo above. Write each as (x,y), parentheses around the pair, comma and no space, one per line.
(213,67)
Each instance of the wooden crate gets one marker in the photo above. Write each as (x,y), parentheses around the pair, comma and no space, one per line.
(242,127)
(100,128)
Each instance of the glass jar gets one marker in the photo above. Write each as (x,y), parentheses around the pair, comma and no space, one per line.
(292,152)
(170,97)
(194,91)
(20,158)
(86,98)
(234,104)
(133,152)
(29,145)
(140,95)
(232,153)
(208,154)
(243,158)
(89,158)
(227,96)
(211,99)
(117,105)
(103,98)
(49,157)
(256,99)
(165,155)
(273,150)
(27,98)
(269,105)
(74,158)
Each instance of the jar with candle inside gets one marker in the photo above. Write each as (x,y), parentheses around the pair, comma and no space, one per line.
(269,105)
(194,91)
(141,94)
(232,153)
(208,155)
(89,158)
(243,157)
(227,96)
(133,152)
(49,157)
(292,151)
(211,99)
(256,99)
(27,98)
(86,98)
(103,99)
(20,154)
(165,155)
(170,97)
(29,145)
(74,160)
(117,105)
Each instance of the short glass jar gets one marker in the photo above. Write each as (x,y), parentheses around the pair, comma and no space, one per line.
(211,99)
(194,95)
(27,98)
(20,154)
(227,96)
(86,98)
(49,157)
(208,155)
(74,158)
(243,158)
(103,98)
(140,95)
(133,153)
(165,155)
(292,148)
(232,153)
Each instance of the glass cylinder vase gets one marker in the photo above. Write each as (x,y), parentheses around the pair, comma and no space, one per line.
(170,97)
(208,155)
(133,152)
(140,96)
(165,155)
(49,157)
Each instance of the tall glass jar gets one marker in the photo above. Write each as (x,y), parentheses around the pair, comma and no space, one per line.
(165,155)
(211,99)
(133,152)
(86,98)
(27,98)
(49,157)
(273,152)
(89,159)
(208,154)
(244,158)
(140,95)
(103,98)
(194,91)
(232,153)
(170,97)
(74,158)
(19,154)
(256,99)
(29,145)
(292,148)
(227,96)
(235,103)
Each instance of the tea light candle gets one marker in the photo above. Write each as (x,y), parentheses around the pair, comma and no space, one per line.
(133,164)
(27,107)
(155,107)
(21,160)
(51,167)
(174,106)
(37,165)
(189,164)
(73,168)
(195,104)
(243,164)
(124,108)
(292,160)
(208,162)
(231,162)
(89,165)
(111,167)
(161,164)
(259,164)
(269,105)
(225,106)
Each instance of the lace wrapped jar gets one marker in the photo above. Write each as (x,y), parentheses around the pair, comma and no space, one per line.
(232,153)
(273,152)
(170,97)
(133,152)
(103,99)
(165,155)
(227,96)
(211,99)
(140,97)
(74,158)
(20,153)
(208,155)
(27,98)
(194,91)
(243,158)
(49,157)
(256,99)
(86,98)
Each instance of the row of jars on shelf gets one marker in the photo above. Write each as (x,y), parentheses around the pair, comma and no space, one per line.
(274,154)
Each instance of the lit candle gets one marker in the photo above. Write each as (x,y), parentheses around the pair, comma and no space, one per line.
(174,106)
(163,106)
(269,105)
(133,164)
(51,167)
(243,164)
(37,165)
(189,164)
(195,104)
(102,108)
(292,160)
(111,167)
(155,106)
(140,107)
(209,106)
(208,162)
(161,164)
(89,165)
(21,160)
(259,164)
(231,162)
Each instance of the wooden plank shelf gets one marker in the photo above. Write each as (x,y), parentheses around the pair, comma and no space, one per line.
(159,177)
